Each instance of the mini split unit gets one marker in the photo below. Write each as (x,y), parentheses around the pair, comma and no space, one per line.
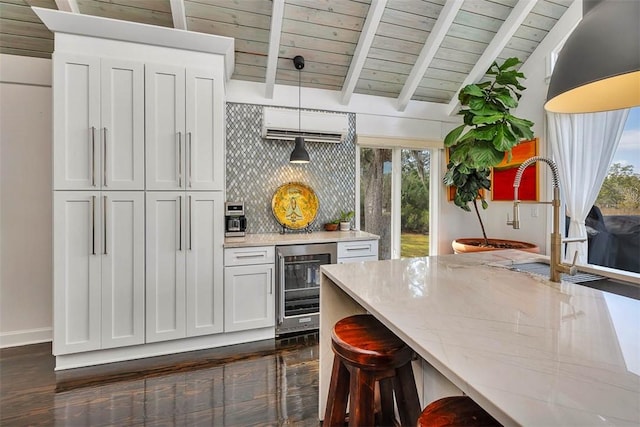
(315,126)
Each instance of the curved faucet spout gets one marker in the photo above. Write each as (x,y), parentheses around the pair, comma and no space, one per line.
(532,160)
(557,266)
(516,185)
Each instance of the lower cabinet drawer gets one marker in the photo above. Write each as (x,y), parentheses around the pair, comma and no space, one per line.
(358,248)
(249,255)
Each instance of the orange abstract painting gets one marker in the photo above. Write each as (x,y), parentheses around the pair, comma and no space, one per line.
(504,174)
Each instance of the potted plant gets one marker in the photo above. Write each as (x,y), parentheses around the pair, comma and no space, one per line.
(345,220)
(332,226)
(489,130)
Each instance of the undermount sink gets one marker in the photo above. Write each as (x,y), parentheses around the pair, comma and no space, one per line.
(592,280)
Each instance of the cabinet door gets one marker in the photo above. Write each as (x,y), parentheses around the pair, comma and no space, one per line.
(164,127)
(76,139)
(122,268)
(122,120)
(205,131)
(249,300)
(204,240)
(76,260)
(165,266)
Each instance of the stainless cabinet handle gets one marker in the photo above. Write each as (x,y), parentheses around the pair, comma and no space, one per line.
(104,222)
(281,290)
(104,158)
(190,158)
(93,156)
(180,159)
(93,225)
(190,222)
(180,223)
(260,255)
(358,248)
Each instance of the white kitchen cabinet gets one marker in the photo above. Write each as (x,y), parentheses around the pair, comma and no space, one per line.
(184,128)
(184,264)
(357,251)
(99,123)
(204,269)
(138,178)
(98,270)
(249,289)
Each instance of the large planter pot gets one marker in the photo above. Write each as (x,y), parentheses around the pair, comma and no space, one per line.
(473,244)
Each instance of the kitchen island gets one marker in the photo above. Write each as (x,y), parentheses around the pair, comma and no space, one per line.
(529,351)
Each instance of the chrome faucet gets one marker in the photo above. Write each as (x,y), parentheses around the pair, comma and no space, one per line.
(557,266)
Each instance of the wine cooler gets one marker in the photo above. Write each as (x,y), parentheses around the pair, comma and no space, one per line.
(298,285)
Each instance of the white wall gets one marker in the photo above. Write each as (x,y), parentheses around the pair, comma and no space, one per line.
(25,200)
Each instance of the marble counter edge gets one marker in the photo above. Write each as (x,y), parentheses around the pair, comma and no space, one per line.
(270,239)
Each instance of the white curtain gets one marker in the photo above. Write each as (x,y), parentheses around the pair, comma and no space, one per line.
(583,147)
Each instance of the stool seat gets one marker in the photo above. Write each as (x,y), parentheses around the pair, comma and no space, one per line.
(456,411)
(366,354)
(364,341)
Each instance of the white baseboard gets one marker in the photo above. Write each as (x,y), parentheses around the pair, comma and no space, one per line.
(24,337)
(119,354)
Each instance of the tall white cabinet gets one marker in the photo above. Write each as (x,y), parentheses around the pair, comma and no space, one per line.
(138,184)
(98,123)
(185,180)
(184,264)
(98,203)
(98,270)
(179,105)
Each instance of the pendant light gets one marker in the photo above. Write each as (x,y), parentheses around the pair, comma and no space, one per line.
(598,69)
(299,153)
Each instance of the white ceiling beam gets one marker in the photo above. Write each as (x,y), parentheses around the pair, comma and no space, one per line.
(431,46)
(500,40)
(68,6)
(362,49)
(277,15)
(179,15)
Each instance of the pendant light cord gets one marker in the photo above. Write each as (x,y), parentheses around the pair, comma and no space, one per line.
(299,106)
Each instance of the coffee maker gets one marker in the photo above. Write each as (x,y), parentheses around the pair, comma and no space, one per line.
(235,223)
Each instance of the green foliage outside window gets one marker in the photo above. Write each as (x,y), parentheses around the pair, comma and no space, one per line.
(620,190)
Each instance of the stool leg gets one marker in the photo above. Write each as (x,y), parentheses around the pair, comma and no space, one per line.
(361,394)
(407,395)
(336,410)
(387,417)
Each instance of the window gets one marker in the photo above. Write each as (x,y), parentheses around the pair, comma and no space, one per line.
(395,198)
(613,225)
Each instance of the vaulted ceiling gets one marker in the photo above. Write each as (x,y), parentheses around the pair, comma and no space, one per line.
(405,49)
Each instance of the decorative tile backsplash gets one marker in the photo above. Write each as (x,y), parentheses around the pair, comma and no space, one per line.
(256,167)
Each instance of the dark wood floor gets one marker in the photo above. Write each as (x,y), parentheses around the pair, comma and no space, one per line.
(268,383)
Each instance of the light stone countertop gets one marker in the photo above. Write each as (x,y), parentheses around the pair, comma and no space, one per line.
(270,239)
(530,351)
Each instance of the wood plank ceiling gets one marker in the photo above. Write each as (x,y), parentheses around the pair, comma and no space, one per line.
(421,50)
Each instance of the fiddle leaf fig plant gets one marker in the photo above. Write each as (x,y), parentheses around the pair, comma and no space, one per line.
(489,130)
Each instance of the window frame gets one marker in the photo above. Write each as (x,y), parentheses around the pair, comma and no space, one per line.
(396,145)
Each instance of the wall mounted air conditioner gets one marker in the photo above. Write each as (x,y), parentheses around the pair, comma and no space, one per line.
(315,126)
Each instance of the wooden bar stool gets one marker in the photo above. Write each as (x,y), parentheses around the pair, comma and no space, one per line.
(366,353)
(456,411)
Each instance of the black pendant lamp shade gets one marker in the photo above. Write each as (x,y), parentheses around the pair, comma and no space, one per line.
(598,69)
(299,153)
